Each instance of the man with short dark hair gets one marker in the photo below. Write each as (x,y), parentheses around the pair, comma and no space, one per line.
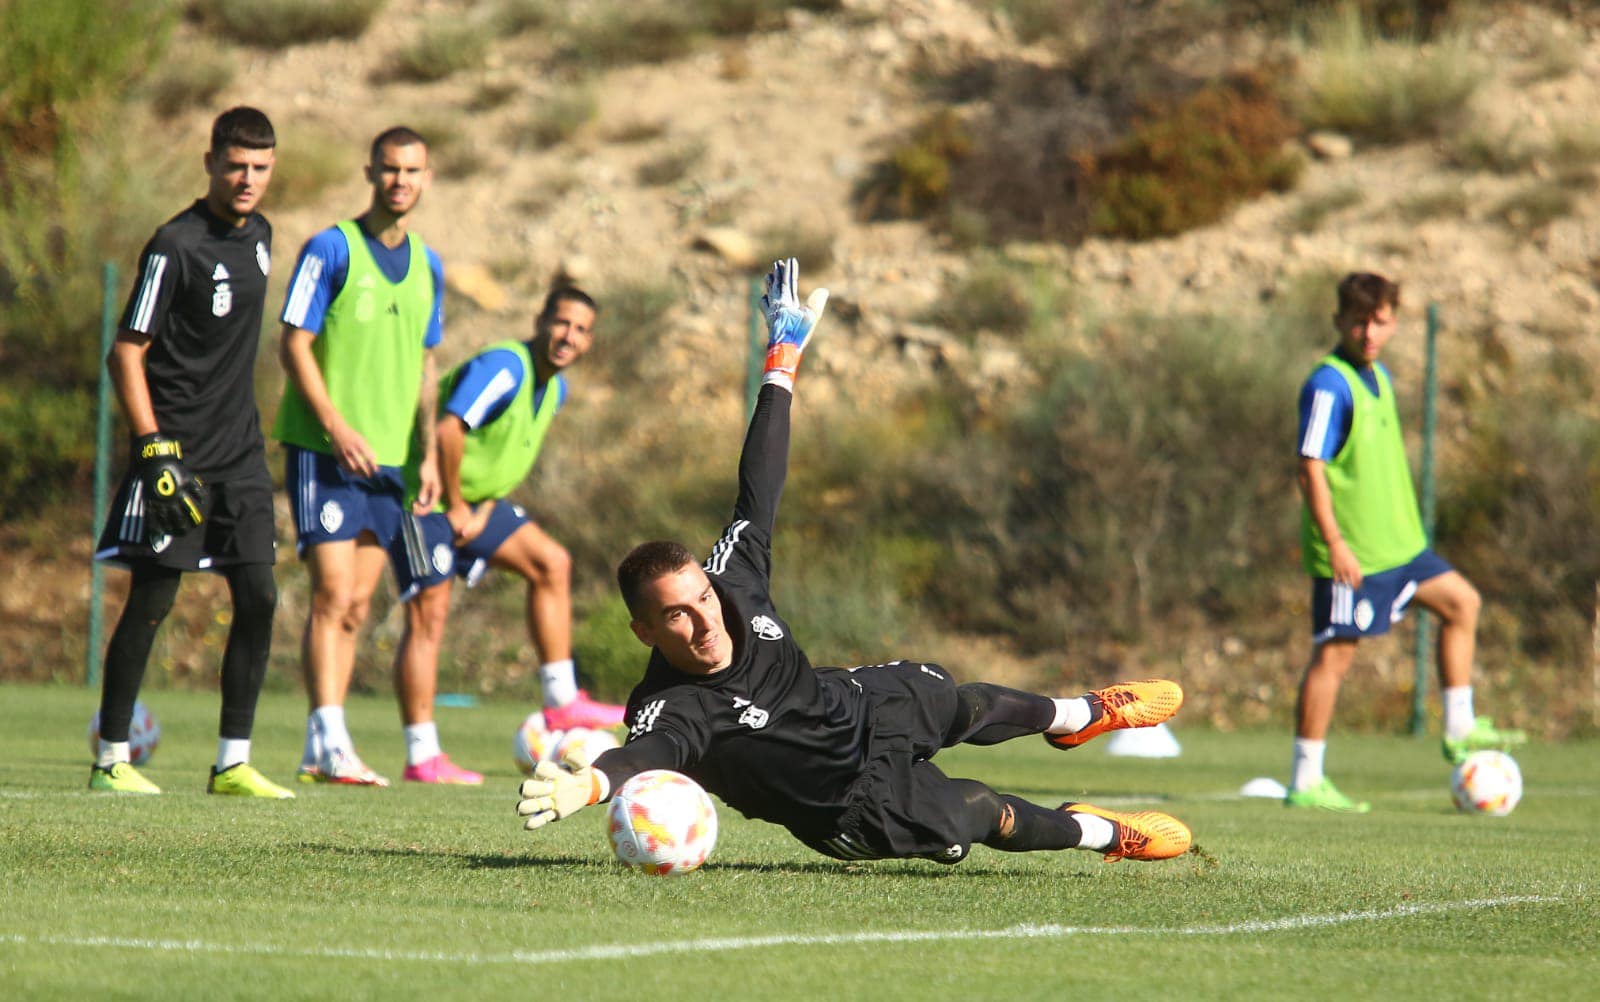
(841,757)
(197,495)
(1363,544)
(364,311)
(495,409)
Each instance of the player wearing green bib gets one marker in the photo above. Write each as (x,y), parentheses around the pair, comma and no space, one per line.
(496,409)
(1363,543)
(363,313)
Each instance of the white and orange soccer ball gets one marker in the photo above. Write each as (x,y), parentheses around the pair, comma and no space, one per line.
(534,742)
(582,745)
(144,733)
(662,823)
(1487,782)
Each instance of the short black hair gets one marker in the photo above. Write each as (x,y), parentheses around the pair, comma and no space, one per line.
(243,127)
(395,135)
(646,562)
(1362,294)
(566,294)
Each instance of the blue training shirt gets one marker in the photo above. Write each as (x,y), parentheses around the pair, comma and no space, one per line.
(1326,408)
(487,383)
(320,272)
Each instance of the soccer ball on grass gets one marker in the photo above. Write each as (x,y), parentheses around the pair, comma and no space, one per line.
(534,742)
(144,733)
(662,823)
(1487,782)
(582,745)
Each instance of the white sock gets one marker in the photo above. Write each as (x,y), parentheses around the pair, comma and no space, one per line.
(1306,769)
(560,682)
(232,751)
(112,752)
(330,728)
(1072,716)
(1097,832)
(313,746)
(1458,717)
(422,742)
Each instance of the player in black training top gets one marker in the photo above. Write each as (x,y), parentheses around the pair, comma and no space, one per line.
(197,495)
(838,756)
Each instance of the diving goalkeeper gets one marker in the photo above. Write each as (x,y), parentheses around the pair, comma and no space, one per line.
(841,757)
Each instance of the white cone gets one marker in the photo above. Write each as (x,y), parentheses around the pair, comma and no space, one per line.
(1263,786)
(1144,742)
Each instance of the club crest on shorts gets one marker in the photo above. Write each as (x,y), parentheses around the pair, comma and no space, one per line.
(331,516)
(766,628)
(1363,615)
(444,557)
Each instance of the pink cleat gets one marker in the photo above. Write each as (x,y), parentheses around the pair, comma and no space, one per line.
(583,712)
(440,769)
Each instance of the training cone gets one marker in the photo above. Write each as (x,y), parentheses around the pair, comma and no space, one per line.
(1144,742)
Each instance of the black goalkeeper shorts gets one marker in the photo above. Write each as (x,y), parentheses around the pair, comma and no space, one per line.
(903,805)
(238,528)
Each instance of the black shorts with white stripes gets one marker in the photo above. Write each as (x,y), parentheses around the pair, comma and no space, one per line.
(238,528)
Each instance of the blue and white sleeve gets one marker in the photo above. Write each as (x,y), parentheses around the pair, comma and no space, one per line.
(1325,411)
(318,276)
(435,332)
(485,387)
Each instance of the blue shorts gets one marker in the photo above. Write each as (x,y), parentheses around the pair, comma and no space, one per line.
(329,505)
(472,560)
(1340,612)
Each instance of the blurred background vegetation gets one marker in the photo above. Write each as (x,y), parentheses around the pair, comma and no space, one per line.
(1130,504)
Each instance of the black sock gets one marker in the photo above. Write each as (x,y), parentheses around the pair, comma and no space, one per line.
(244,661)
(150,598)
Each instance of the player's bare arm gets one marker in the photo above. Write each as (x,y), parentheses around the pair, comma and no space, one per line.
(467,521)
(1313,479)
(125,363)
(428,470)
(349,447)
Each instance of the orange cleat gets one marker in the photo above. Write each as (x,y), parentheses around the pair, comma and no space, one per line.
(1126,704)
(1142,835)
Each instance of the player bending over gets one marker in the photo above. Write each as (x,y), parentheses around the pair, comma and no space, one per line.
(838,756)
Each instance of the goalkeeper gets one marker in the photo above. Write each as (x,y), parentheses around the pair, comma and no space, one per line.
(197,495)
(841,757)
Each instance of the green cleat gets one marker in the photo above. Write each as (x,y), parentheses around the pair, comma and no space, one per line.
(242,780)
(120,777)
(1484,736)
(1325,796)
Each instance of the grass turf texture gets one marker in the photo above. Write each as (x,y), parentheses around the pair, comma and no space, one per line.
(417,892)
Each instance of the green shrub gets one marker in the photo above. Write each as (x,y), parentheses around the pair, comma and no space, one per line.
(1188,164)
(610,658)
(992,295)
(514,17)
(557,117)
(807,239)
(1437,202)
(915,179)
(1537,205)
(1388,91)
(672,164)
(193,82)
(445,47)
(1309,215)
(279,24)
(613,33)
(310,161)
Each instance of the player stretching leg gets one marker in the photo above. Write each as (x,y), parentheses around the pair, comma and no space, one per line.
(841,757)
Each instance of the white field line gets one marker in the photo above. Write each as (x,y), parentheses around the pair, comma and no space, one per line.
(634,951)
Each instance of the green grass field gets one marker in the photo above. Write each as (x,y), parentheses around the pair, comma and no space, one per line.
(431,892)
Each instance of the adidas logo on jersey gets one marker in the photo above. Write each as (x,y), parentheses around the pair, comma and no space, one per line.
(219,273)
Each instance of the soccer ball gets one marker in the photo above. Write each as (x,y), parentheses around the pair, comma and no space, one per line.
(582,745)
(662,823)
(1488,782)
(534,742)
(143,734)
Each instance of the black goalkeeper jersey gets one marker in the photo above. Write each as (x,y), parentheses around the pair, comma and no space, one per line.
(200,296)
(775,738)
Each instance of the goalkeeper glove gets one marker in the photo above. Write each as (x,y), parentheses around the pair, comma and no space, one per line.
(789,325)
(174,498)
(555,792)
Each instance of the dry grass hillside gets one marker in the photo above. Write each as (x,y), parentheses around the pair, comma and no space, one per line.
(684,174)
